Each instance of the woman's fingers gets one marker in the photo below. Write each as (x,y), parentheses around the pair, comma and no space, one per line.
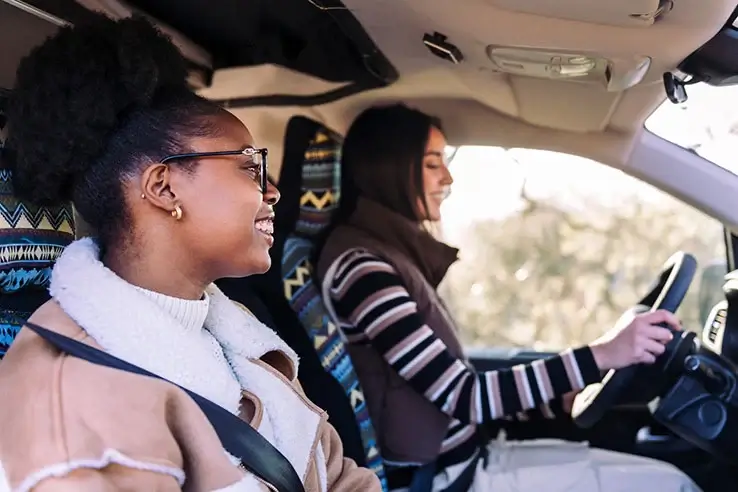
(658,333)
(662,316)
(641,341)
(653,347)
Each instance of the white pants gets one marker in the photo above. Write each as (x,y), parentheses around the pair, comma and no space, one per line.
(548,465)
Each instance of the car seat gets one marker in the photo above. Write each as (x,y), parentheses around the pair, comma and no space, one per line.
(316,183)
(31,239)
(309,184)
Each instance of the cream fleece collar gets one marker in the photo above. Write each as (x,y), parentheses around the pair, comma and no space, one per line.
(131,325)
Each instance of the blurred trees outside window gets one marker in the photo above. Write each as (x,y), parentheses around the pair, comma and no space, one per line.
(555,247)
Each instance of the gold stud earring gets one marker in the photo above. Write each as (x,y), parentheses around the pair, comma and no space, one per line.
(143,196)
(177,212)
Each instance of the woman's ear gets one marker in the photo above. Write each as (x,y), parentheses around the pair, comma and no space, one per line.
(156,186)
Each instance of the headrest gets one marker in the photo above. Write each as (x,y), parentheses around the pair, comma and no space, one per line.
(31,237)
(312,172)
(321,182)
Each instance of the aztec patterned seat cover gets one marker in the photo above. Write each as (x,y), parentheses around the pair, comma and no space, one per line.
(31,239)
(320,192)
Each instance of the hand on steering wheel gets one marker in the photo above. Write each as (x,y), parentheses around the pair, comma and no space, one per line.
(628,375)
(635,339)
(639,342)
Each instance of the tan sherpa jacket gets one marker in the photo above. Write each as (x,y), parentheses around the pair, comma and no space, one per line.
(69,425)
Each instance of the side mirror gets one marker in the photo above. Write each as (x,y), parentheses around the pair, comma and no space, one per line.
(711,287)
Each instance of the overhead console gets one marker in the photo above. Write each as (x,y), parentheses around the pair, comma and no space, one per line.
(613,73)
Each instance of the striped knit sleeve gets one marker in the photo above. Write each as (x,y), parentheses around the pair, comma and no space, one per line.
(373,306)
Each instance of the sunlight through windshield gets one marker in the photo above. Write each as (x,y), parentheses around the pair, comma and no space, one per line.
(707,123)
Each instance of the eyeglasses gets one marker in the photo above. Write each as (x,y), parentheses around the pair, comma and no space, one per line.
(257,156)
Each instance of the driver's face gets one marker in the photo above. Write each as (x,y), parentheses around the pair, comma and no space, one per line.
(437,179)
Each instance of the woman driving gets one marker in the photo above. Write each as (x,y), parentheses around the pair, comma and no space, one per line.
(380,268)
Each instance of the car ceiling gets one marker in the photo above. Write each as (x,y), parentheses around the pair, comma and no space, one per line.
(308,49)
(603,28)
(482,107)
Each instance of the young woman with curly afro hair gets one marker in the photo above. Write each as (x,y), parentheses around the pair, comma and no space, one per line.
(175,189)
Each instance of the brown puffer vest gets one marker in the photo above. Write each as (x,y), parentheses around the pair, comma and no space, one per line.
(409,427)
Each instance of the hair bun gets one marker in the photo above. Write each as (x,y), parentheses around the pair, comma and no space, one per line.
(148,61)
(71,94)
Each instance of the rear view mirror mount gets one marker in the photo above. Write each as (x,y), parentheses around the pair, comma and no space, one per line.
(676,88)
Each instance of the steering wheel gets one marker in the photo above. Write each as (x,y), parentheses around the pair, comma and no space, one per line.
(668,292)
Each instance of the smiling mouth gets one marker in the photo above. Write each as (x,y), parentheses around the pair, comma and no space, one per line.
(265,226)
(441,195)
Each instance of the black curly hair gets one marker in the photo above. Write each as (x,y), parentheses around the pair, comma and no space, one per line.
(90,107)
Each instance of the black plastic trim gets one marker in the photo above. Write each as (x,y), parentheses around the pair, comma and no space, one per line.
(379,71)
(376,63)
(74,13)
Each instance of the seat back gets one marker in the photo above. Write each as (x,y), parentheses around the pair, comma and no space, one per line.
(311,183)
(31,239)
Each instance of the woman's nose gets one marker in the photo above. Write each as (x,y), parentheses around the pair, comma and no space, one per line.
(272,195)
(448,179)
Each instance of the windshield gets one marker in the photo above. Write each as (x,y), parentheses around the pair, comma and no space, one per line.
(706,123)
(554,247)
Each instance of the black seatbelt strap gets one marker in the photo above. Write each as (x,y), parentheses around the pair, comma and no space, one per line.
(241,440)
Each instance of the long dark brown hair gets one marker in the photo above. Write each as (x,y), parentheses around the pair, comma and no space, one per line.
(382,160)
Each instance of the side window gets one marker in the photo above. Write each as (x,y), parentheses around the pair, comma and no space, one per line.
(555,247)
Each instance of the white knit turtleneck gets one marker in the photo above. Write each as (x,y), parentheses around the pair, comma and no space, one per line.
(191,315)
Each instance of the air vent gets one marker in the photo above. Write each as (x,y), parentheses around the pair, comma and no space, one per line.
(716,325)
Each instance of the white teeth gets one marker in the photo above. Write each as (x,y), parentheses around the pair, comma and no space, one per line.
(266,226)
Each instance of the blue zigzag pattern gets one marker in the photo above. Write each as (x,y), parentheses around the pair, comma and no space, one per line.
(321,176)
(57,216)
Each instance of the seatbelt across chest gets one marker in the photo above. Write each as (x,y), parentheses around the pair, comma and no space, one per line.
(241,440)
